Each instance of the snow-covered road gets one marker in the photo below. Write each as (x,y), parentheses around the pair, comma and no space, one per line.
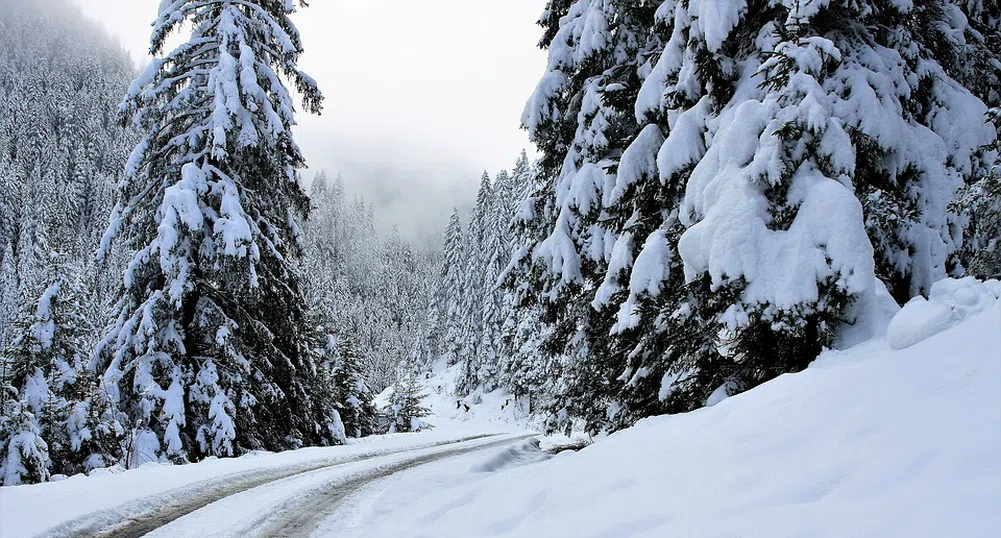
(267,495)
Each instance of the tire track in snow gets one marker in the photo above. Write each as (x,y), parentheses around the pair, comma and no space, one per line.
(134,520)
(313,507)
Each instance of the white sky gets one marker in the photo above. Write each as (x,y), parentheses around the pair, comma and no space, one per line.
(422,95)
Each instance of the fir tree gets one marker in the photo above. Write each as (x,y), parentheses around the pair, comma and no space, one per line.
(475,287)
(691,156)
(59,401)
(405,412)
(208,353)
(354,403)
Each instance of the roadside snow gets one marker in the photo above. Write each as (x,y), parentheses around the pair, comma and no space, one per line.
(31,510)
(950,302)
(867,442)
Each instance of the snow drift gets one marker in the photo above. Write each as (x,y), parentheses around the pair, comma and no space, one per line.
(867,442)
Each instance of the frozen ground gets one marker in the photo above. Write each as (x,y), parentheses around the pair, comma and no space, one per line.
(868,442)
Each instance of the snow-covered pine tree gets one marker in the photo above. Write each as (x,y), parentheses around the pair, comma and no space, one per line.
(24,457)
(326,236)
(777,283)
(496,250)
(581,118)
(527,370)
(355,399)
(208,354)
(769,125)
(58,399)
(406,412)
(10,290)
(982,201)
(475,287)
(452,291)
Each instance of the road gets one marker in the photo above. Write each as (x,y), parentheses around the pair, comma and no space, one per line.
(289,502)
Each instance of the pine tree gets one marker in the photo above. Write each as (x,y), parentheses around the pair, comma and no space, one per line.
(718,188)
(475,287)
(354,397)
(982,201)
(208,353)
(445,333)
(24,456)
(58,397)
(581,118)
(405,412)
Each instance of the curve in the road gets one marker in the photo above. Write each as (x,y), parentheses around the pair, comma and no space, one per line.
(314,507)
(175,506)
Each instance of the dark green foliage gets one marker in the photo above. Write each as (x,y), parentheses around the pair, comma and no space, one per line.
(354,399)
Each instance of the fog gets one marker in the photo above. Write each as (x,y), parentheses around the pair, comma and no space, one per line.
(422,97)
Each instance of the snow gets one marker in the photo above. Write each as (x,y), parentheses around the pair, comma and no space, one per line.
(491,412)
(918,320)
(716,19)
(870,316)
(638,162)
(867,442)
(650,271)
(950,302)
(30,510)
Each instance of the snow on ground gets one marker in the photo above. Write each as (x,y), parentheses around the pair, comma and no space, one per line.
(490,412)
(30,510)
(868,441)
(950,302)
(495,411)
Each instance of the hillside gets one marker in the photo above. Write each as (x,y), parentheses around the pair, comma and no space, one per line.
(866,442)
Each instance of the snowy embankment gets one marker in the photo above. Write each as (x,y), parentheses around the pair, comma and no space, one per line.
(870,441)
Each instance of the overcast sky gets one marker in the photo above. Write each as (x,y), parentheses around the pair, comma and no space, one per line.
(422,96)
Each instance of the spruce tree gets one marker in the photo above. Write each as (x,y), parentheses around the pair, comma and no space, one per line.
(354,403)
(475,287)
(209,353)
(58,398)
(406,412)
(453,290)
(696,164)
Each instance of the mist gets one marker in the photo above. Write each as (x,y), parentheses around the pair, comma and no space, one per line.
(421,97)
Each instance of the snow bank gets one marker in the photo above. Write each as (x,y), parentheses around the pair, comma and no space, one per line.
(949,302)
(871,315)
(867,442)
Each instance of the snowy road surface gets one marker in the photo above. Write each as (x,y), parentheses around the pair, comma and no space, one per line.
(266,495)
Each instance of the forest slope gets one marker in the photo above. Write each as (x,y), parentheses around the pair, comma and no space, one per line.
(866,442)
